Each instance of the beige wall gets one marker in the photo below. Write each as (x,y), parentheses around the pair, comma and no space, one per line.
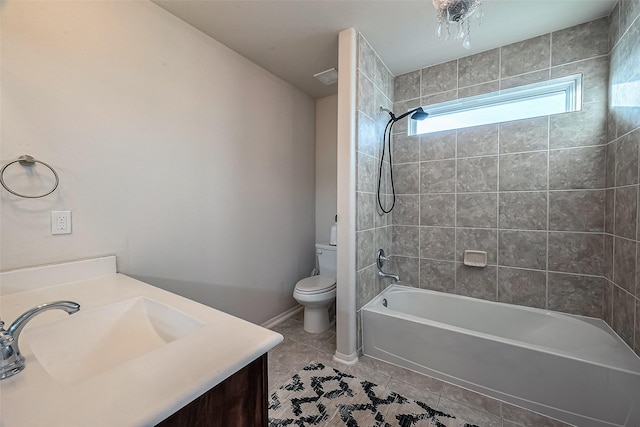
(190,163)
(326,165)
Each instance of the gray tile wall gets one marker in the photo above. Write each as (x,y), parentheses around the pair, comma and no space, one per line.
(542,196)
(621,254)
(531,193)
(373,230)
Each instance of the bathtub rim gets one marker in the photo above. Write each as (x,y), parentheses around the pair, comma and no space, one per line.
(375,305)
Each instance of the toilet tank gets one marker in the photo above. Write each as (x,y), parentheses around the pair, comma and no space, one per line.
(326,259)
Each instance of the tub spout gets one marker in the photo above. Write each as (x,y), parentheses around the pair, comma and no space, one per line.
(394,277)
(11,361)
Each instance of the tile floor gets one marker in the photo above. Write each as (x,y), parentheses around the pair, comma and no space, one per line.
(299,348)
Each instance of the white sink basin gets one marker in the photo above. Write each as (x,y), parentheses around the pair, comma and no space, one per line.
(90,342)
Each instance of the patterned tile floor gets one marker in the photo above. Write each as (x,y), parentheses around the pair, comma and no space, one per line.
(299,348)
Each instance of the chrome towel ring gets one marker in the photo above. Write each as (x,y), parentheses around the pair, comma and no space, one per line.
(28,161)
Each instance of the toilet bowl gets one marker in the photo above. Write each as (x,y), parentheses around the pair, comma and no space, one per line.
(317,293)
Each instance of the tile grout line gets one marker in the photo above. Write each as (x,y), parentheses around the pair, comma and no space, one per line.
(548,151)
(548,194)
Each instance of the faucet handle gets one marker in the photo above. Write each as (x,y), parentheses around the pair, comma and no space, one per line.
(5,337)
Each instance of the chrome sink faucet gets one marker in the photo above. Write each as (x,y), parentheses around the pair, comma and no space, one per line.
(380,260)
(11,361)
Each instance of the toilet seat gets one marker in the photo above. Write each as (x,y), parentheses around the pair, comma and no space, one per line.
(316,285)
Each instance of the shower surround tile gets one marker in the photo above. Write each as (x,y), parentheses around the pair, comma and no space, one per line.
(614,26)
(607,309)
(478,210)
(476,282)
(366,57)
(579,253)
(477,174)
(525,171)
(525,249)
(623,314)
(576,210)
(523,210)
(526,56)
(367,173)
(478,141)
(366,96)
(608,257)
(637,339)
(438,210)
(365,253)
(438,275)
(524,135)
(366,286)
(407,268)
(407,178)
(406,210)
(580,42)
(522,287)
(437,98)
(480,89)
(438,146)
(610,165)
(405,149)
(479,68)
(439,78)
(629,11)
(405,241)
(581,295)
(626,211)
(365,211)
(438,176)
(437,243)
(407,86)
(626,159)
(576,168)
(624,264)
(579,128)
(367,135)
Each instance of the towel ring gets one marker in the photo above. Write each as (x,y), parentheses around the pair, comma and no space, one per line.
(27,160)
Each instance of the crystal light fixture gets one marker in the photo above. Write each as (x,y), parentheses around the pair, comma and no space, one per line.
(460,12)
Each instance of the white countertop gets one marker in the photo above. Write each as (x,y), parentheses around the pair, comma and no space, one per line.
(141,391)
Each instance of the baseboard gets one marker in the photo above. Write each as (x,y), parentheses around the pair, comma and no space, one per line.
(282,317)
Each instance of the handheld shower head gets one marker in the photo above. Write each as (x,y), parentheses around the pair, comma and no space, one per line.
(416,114)
(419,114)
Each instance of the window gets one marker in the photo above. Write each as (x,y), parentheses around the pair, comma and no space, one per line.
(556,96)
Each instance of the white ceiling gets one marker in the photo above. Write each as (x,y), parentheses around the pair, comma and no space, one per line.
(295,39)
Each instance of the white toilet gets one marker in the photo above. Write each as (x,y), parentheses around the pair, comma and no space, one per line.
(317,293)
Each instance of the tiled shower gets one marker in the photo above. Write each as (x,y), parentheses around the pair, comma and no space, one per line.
(552,200)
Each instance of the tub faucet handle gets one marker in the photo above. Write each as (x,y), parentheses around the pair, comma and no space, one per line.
(381,258)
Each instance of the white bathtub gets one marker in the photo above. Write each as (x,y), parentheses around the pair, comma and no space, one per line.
(568,367)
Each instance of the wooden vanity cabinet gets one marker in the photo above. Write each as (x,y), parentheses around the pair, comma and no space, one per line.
(239,401)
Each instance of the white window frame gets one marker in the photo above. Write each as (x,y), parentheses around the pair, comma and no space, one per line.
(570,86)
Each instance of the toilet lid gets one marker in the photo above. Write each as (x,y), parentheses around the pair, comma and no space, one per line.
(316,284)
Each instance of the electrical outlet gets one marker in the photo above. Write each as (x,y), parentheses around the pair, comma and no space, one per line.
(60,222)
